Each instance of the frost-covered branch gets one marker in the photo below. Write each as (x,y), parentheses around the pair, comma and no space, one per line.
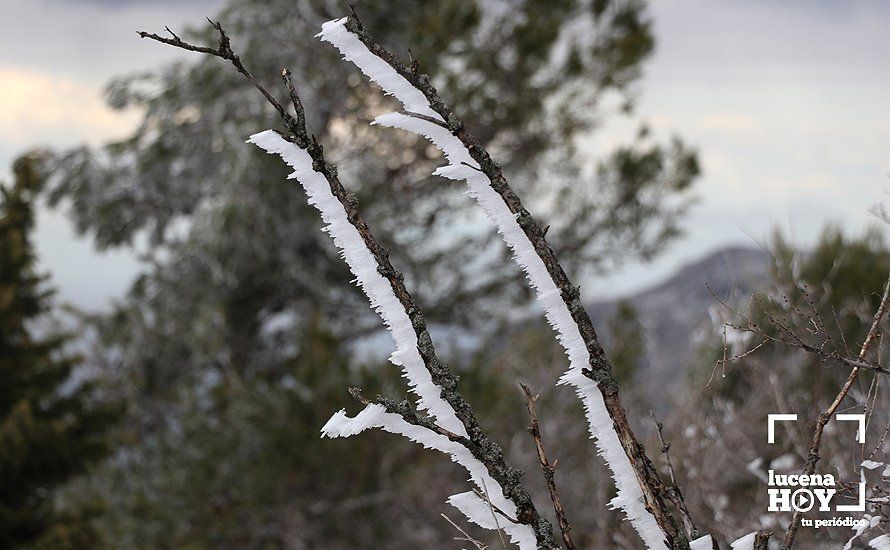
(430,378)
(408,414)
(640,489)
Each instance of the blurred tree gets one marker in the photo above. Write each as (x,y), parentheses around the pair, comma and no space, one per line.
(51,426)
(831,289)
(846,271)
(244,466)
(627,345)
(231,245)
(839,279)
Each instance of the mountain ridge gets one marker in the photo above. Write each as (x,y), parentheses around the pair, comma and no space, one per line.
(673,311)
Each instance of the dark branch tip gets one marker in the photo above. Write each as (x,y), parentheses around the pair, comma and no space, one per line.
(354,14)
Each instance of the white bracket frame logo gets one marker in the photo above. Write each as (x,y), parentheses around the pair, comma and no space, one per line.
(860,438)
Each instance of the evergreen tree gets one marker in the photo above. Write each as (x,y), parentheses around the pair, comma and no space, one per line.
(50,429)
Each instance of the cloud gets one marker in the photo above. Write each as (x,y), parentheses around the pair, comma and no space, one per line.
(93,40)
(735,123)
(38,108)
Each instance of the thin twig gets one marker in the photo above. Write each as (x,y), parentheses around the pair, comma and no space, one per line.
(466,537)
(675,495)
(840,329)
(429,119)
(788,337)
(483,496)
(742,355)
(294,98)
(871,399)
(813,457)
(494,515)
(223,51)
(880,444)
(548,469)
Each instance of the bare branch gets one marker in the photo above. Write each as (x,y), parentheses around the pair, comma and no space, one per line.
(675,495)
(880,444)
(466,537)
(224,51)
(813,456)
(548,469)
(788,337)
(294,98)
(742,355)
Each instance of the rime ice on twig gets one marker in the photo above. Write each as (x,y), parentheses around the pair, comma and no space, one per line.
(363,265)
(375,416)
(463,166)
(437,387)
(377,69)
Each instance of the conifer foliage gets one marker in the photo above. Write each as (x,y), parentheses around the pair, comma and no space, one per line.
(51,427)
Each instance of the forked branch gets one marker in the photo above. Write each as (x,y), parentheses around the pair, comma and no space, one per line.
(597,368)
(813,456)
(224,51)
(477,442)
(827,349)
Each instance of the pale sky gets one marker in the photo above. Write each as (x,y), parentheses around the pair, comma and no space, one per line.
(788,103)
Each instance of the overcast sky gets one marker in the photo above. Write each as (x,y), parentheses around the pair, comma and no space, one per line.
(787,101)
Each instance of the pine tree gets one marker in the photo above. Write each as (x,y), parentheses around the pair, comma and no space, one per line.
(50,429)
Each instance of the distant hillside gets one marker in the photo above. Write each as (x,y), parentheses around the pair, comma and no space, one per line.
(675,310)
(673,313)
